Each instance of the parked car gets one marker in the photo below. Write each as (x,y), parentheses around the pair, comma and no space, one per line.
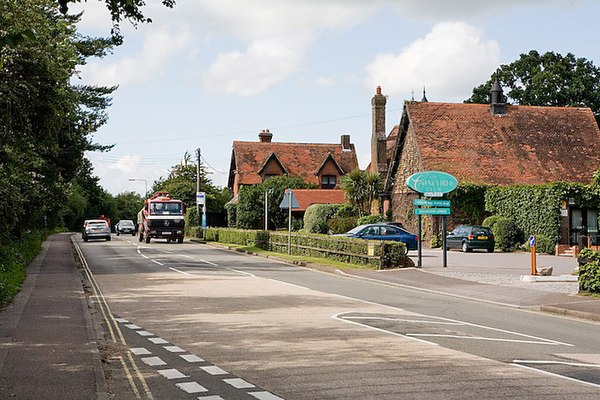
(469,237)
(125,226)
(384,232)
(95,229)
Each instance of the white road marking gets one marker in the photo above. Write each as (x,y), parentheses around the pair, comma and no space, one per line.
(140,351)
(416,321)
(480,338)
(157,340)
(213,370)
(210,263)
(210,398)
(264,396)
(157,262)
(172,374)
(133,326)
(557,375)
(121,320)
(572,364)
(191,358)
(238,383)
(144,333)
(191,387)
(174,349)
(181,272)
(153,361)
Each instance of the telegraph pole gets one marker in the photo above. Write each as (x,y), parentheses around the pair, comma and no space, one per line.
(198,155)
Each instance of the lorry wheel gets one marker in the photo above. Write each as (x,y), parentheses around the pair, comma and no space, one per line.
(147,239)
(180,240)
(85,239)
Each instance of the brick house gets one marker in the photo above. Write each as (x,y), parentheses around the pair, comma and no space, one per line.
(322,164)
(496,143)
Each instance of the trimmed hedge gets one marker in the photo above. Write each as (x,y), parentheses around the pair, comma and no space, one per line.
(339,248)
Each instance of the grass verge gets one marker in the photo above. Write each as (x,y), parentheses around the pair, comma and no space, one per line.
(14,258)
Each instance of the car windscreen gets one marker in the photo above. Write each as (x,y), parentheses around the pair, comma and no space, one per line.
(482,231)
(354,231)
(126,223)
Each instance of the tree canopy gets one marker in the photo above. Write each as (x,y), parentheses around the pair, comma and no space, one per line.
(548,79)
(46,122)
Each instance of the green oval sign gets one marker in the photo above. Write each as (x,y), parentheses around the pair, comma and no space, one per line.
(432,183)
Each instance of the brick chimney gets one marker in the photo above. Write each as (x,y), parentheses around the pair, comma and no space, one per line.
(345,139)
(378,139)
(265,136)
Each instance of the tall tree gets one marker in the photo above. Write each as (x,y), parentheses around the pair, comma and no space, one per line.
(362,189)
(547,79)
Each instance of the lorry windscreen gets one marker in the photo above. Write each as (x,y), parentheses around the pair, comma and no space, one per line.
(165,208)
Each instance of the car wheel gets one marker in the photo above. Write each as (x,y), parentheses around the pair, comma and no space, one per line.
(179,240)
(117,233)
(147,239)
(108,238)
(133,234)
(85,239)
(465,247)
(490,250)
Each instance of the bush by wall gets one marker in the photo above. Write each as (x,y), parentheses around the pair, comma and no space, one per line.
(490,221)
(317,215)
(507,234)
(589,273)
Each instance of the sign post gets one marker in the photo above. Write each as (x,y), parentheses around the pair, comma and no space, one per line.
(201,202)
(432,184)
(533,255)
(289,201)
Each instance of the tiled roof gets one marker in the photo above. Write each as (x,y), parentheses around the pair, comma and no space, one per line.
(307,197)
(528,144)
(300,159)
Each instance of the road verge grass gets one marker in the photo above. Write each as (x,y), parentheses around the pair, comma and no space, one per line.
(14,258)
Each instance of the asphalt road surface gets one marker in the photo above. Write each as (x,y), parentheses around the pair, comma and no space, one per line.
(188,321)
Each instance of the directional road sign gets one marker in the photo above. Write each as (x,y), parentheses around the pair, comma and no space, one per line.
(432,211)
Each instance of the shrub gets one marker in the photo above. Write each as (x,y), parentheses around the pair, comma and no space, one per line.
(507,234)
(317,215)
(543,244)
(347,210)
(589,277)
(370,219)
(341,224)
(489,222)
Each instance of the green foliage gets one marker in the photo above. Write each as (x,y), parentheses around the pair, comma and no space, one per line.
(349,250)
(14,258)
(544,244)
(347,210)
(589,277)
(317,215)
(507,234)
(370,219)
(362,189)
(490,221)
(548,79)
(588,255)
(468,204)
(341,224)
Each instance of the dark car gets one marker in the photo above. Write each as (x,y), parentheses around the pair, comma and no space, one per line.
(125,226)
(384,232)
(469,237)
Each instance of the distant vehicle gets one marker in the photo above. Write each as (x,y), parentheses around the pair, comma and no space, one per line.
(125,226)
(469,237)
(95,229)
(384,232)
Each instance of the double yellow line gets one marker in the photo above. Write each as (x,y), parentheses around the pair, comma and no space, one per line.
(136,379)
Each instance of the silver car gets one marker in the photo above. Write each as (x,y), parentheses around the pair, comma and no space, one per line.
(95,229)
(125,226)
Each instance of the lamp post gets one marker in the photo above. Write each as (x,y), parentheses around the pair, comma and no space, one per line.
(141,180)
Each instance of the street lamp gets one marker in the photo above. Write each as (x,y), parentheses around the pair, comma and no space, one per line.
(141,180)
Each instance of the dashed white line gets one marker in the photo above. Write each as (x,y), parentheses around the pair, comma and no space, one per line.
(489,339)
(572,364)
(133,326)
(157,262)
(213,370)
(191,358)
(210,398)
(157,340)
(140,351)
(174,349)
(153,361)
(191,387)
(172,374)
(121,320)
(264,396)
(238,383)
(181,272)
(144,333)
(557,375)
(210,263)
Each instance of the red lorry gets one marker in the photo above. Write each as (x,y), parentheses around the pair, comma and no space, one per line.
(162,217)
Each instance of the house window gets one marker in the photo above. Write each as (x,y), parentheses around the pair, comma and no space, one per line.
(328,181)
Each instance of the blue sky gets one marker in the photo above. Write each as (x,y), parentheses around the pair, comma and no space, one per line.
(209,72)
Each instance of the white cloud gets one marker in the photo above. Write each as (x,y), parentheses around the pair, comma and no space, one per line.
(325,82)
(459,9)
(453,58)
(160,46)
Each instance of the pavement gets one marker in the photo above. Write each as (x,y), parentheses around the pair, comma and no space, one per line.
(48,347)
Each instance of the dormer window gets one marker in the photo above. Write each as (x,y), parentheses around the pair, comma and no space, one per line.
(328,181)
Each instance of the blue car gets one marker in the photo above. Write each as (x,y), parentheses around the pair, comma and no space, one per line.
(384,232)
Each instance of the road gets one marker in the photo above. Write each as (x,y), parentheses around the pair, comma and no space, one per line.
(192,321)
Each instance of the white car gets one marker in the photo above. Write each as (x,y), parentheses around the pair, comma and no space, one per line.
(95,229)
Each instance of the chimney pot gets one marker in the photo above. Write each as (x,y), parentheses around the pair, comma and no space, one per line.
(265,136)
(345,140)
(378,91)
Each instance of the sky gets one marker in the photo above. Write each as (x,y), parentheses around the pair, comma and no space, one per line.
(209,72)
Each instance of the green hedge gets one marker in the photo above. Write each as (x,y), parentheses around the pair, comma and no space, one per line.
(589,272)
(317,215)
(339,248)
